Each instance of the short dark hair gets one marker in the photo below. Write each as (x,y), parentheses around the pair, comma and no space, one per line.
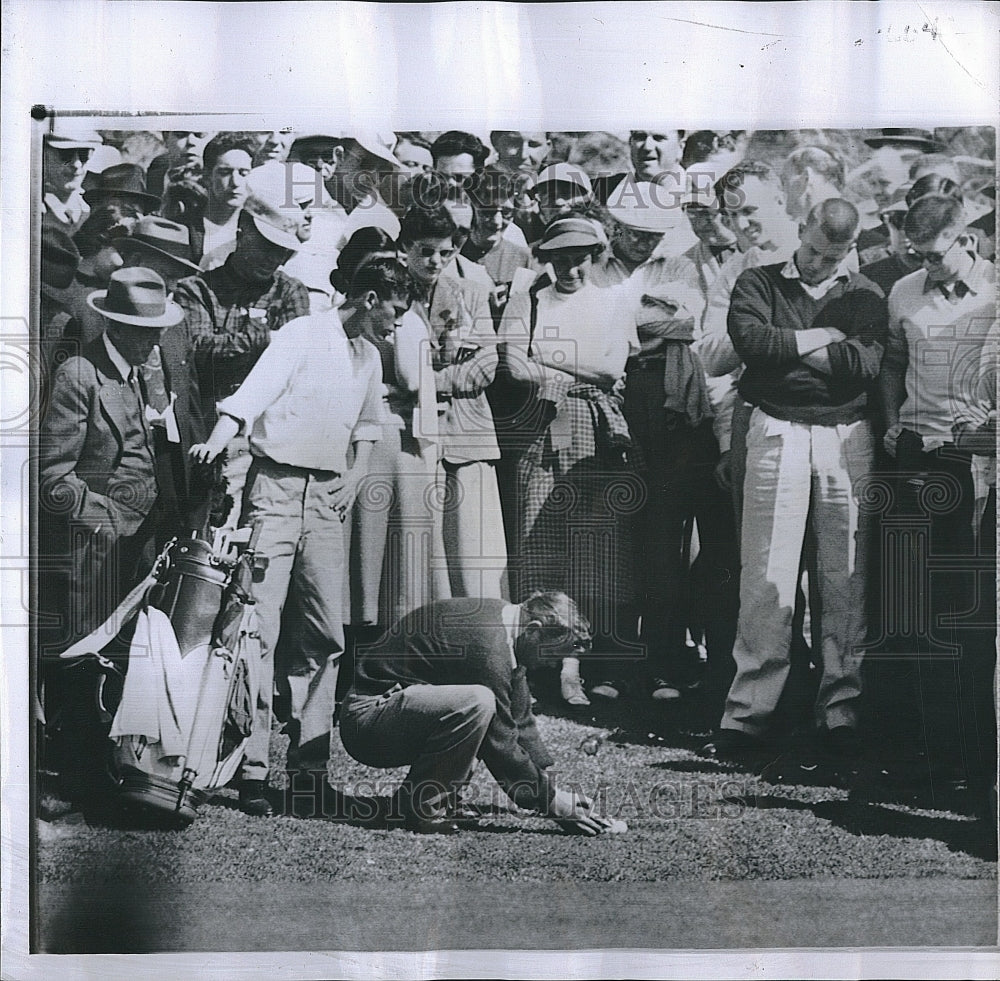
(933,183)
(454,142)
(554,610)
(223,143)
(931,215)
(680,132)
(836,218)
(819,158)
(734,178)
(363,245)
(434,222)
(699,146)
(384,274)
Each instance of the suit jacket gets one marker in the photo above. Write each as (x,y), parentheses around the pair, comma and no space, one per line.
(82,444)
(97,497)
(177,355)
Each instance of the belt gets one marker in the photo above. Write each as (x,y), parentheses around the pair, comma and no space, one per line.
(645,364)
(262,460)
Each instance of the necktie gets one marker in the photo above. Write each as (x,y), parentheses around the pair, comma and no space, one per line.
(154,382)
(135,384)
(159,400)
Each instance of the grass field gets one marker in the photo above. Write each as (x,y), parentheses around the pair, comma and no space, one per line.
(713,857)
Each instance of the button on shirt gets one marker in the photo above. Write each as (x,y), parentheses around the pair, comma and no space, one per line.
(313,392)
(939,340)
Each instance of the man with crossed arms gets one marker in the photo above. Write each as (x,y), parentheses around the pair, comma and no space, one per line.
(811,334)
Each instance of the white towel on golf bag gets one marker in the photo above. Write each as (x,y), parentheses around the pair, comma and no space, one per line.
(158,701)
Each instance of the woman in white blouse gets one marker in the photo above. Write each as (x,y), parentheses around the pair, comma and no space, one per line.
(578,492)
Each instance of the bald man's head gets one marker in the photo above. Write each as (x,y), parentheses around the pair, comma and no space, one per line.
(825,239)
(836,218)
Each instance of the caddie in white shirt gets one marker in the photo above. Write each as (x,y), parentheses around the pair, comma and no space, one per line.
(315,392)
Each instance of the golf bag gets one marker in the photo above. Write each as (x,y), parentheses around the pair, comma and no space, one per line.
(191,686)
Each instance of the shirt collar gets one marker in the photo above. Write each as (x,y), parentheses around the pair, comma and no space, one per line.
(69,211)
(791,271)
(817,290)
(972,283)
(124,368)
(511,619)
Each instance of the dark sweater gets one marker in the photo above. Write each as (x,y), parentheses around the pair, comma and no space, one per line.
(463,642)
(765,312)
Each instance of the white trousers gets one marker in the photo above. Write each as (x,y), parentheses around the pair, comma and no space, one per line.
(475,549)
(794,472)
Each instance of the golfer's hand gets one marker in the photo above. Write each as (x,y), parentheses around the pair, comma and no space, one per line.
(573,812)
(724,471)
(343,491)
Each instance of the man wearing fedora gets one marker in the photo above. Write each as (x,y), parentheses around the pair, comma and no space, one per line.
(102,508)
(97,474)
(65,152)
(169,372)
(231,311)
(96,242)
(124,185)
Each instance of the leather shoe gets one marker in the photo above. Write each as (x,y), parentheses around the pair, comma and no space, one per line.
(253,798)
(430,826)
(731,744)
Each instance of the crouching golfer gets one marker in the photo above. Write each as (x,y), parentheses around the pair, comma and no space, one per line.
(447,686)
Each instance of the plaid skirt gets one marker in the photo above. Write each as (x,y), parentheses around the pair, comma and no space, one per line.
(576,518)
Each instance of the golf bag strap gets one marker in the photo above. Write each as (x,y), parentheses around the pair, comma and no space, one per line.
(97,640)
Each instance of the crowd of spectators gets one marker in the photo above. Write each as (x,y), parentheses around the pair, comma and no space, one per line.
(696,381)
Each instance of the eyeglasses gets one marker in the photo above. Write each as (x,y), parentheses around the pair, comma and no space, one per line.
(562,637)
(428,252)
(932,258)
(70,153)
(566,260)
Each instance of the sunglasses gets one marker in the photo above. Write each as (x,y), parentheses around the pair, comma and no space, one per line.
(71,153)
(640,234)
(932,258)
(428,252)
(562,637)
